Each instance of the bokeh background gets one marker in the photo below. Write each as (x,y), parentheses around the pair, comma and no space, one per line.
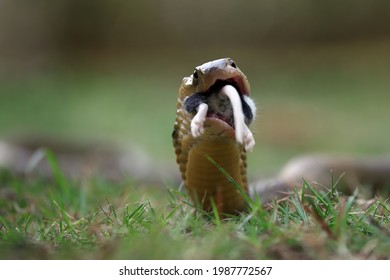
(110,70)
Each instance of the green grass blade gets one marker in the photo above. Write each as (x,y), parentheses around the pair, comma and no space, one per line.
(57,173)
(314,191)
(216,213)
(65,216)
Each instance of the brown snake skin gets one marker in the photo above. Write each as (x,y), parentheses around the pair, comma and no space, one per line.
(202,178)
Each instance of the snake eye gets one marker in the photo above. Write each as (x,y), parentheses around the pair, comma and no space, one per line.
(195,74)
(233,64)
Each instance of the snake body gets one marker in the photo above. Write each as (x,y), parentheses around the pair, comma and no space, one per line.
(209,143)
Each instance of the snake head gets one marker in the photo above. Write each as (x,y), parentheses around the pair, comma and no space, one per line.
(211,109)
(212,76)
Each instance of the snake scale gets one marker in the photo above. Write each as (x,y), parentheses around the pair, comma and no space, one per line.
(211,135)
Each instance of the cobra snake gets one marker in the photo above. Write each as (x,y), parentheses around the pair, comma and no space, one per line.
(211,138)
(211,135)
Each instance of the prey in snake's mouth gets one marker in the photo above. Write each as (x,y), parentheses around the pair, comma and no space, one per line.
(226,101)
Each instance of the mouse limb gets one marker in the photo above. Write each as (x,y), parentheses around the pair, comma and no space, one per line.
(243,134)
(198,120)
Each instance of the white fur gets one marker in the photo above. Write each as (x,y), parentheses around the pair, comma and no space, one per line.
(252,105)
(198,120)
(243,134)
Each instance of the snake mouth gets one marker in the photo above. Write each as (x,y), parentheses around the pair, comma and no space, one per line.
(237,82)
(223,119)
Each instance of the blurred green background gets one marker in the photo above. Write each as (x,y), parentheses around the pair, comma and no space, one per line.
(110,70)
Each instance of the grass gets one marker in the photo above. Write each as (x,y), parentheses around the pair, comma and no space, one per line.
(93,219)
